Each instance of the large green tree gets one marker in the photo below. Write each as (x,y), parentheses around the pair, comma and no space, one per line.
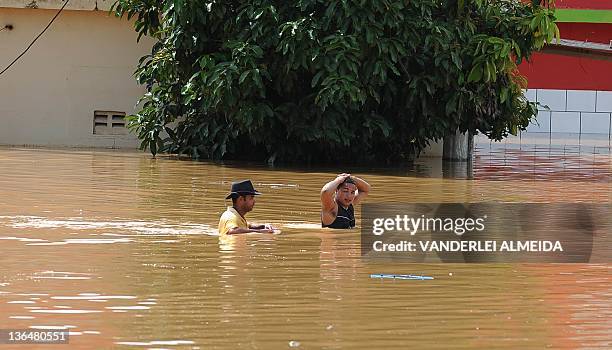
(331,80)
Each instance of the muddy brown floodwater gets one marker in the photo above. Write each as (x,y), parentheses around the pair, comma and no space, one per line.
(121,250)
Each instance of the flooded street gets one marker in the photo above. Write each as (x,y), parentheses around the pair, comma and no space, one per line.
(122,250)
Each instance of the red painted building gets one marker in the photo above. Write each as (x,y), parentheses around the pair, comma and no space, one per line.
(582,20)
(577,90)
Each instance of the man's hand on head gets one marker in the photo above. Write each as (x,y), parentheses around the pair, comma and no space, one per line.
(343,176)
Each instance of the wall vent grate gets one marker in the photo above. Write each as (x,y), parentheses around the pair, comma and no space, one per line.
(109,123)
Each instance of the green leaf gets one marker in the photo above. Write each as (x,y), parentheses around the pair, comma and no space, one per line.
(475,74)
(153,147)
(243,76)
(316,78)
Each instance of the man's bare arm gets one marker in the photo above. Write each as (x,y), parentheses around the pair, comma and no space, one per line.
(241,230)
(363,189)
(327,192)
(262,227)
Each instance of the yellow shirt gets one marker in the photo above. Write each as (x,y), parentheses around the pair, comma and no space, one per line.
(231,219)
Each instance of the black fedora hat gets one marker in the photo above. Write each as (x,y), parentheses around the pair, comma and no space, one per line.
(244,187)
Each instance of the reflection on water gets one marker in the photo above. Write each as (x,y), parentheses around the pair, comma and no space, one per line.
(121,250)
(562,163)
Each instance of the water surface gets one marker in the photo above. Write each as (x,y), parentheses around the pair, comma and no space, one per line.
(121,250)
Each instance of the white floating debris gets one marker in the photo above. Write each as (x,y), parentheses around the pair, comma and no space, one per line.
(21,302)
(49,243)
(156,342)
(33,294)
(137,227)
(93,297)
(138,307)
(97,241)
(61,277)
(49,327)
(64,311)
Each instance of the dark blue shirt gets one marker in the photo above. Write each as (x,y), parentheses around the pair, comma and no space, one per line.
(345,218)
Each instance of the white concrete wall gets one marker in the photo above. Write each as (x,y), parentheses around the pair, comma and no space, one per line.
(102,5)
(83,63)
(572,111)
(575,120)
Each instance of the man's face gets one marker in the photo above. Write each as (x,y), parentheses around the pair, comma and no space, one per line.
(346,194)
(246,203)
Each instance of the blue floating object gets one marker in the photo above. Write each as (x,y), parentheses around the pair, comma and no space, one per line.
(400,277)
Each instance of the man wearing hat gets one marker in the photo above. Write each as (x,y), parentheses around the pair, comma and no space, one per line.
(243,199)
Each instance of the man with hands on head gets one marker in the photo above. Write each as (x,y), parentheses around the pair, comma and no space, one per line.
(337,199)
(243,199)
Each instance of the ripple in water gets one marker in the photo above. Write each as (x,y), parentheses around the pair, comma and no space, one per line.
(138,227)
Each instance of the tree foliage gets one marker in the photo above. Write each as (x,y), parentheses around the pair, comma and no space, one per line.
(331,80)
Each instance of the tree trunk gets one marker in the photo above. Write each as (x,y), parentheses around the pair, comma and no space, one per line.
(458,146)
